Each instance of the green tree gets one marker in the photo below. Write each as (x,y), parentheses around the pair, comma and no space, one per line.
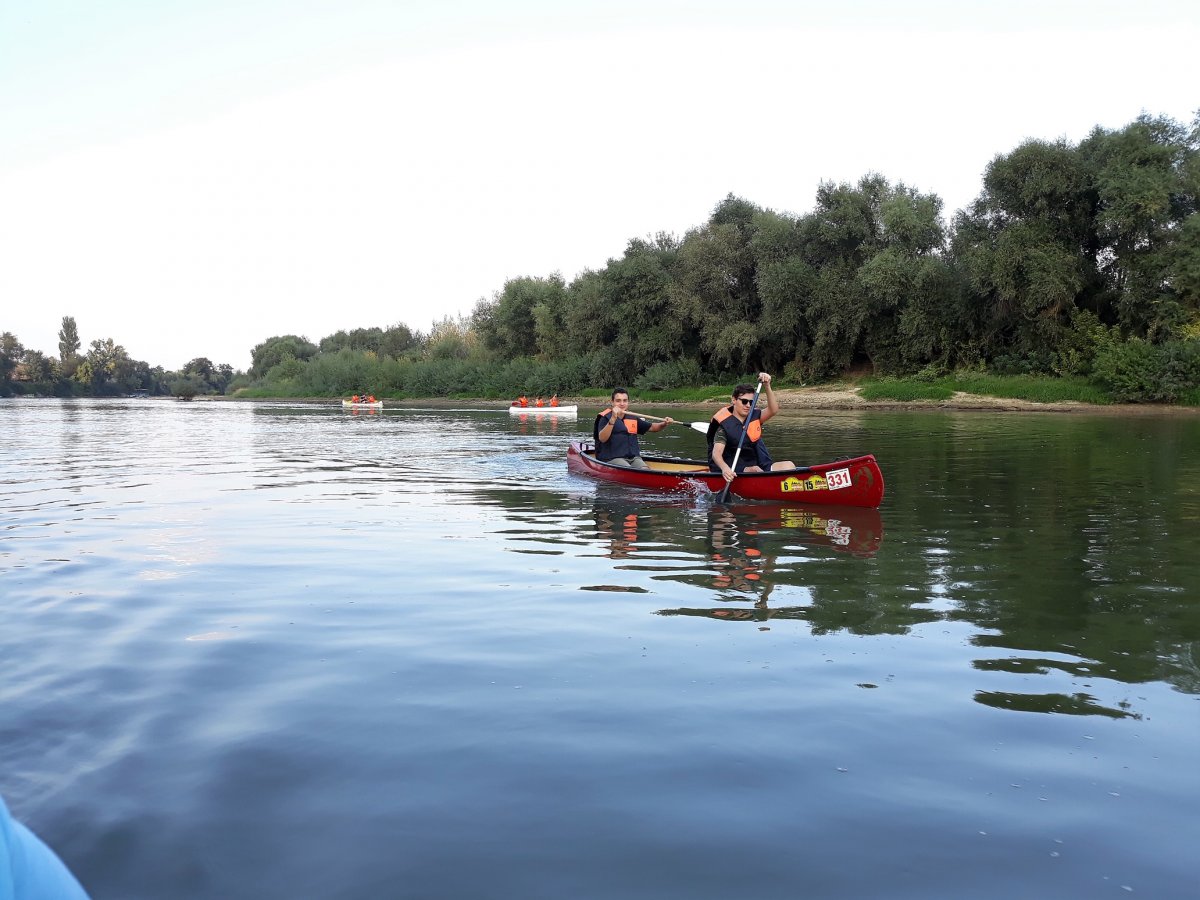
(396,340)
(187,386)
(68,346)
(786,283)
(714,292)
(11,352)
(865,253)
(213,378)
(274,350)
(450,339)
(637,288)
(507,324)
(1147,184)
(588,321)
(39,368)
(107,369)
(1027,247)
(202,368)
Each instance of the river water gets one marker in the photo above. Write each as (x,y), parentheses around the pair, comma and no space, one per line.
(279,650)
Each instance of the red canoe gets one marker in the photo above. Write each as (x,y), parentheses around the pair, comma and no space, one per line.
(846,482)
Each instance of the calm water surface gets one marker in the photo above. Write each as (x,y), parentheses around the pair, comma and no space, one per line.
(265,650)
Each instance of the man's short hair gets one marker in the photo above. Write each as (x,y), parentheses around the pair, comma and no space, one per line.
(617,390)
(742,389)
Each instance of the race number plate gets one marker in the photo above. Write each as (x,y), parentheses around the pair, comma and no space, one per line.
(838,479)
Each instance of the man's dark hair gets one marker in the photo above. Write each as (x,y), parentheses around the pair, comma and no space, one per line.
(742,389)
(618,390)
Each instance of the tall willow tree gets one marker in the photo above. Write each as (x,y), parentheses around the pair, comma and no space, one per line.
(870,248)
(715,292)
(1147,187)
(637,287)
(1028,249)
(1107,228)
(786,280)
(508,323)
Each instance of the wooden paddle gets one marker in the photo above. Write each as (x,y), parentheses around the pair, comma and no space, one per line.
(741,440)
(701,427)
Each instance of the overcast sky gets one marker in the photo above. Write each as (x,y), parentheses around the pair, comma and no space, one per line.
(191,177)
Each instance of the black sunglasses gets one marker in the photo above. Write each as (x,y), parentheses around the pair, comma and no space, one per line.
(744,401)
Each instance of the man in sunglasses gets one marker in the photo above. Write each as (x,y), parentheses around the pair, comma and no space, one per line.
(725,430)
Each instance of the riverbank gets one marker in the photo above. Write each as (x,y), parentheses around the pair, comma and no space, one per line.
(843,398)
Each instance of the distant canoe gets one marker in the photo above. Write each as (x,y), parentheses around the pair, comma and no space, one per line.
(572,410)
(350,404)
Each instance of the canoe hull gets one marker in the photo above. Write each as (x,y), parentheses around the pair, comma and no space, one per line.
(572,410)
(350,404)
(844,482)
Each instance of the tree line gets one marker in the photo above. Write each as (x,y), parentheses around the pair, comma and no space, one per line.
(1076,259)
(104,370)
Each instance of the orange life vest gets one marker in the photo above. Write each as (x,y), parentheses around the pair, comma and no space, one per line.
(622,442)
(754,450)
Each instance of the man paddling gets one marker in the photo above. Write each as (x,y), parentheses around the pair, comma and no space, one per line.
(725,431)
(616,433)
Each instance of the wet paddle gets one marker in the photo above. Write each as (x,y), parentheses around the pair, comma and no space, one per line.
(741,440)
(701,427)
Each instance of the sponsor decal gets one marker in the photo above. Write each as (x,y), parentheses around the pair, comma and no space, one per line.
(793,484)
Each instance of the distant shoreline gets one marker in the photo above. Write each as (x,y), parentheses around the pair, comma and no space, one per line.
(834,399)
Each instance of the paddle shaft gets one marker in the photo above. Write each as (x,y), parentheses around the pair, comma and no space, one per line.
(741,440)
(702,427)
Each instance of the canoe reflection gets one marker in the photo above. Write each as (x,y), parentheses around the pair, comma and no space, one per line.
(740,552)
(733,531)
(844,528)
(746,542)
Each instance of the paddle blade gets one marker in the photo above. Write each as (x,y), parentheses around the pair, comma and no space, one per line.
(701,427)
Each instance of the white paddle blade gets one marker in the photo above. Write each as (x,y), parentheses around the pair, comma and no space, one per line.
(701,427)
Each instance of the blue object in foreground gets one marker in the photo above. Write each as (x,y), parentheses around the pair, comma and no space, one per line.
(29,870)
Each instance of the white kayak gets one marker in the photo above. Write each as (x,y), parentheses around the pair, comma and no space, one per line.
(362,404)
(572,410)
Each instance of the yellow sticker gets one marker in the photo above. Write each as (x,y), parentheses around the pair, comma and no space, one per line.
(811,483)
(794,518)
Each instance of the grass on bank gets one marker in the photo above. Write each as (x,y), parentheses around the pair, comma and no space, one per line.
(1010,387)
